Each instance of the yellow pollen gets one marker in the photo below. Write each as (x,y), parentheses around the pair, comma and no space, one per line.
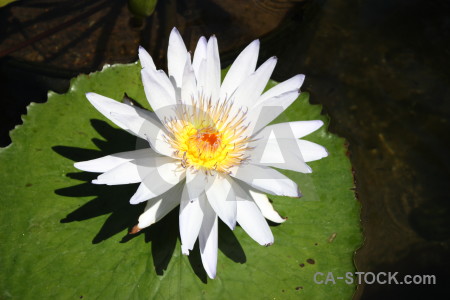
(208,137)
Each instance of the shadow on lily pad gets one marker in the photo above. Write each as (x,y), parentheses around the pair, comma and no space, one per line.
(114,200)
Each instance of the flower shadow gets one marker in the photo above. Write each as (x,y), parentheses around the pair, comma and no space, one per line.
(114,200)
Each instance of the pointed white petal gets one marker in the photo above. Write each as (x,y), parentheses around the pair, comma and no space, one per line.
(135,124)
(159,95)
(202,75)
(297,129)
(312,151)
(199,55)
(222,198)
(266,207)
(165,83)
(158,207)
(251,88)
(278,149)
(165,176)
(129,172)
(146,59)
(159,143)
(111,109)
(109,162)
(282,154)
(191,218)
(267,180)
(195,183)
(265,112)
(279,142)
(212,83)
(176,56)
(252,221)
(189,88)
(147,130)
(208,239)
(271,152)
(250,218)
(292,84)
(242,67)
(303,128)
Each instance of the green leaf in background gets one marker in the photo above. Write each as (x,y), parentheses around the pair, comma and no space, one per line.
(6,2)
(62,237)
(142,8)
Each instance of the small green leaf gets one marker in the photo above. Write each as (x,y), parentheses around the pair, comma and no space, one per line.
(65,238)
(6,2)
(142,8)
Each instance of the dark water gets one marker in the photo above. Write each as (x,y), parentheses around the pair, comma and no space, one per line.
(381,71)
(380,68)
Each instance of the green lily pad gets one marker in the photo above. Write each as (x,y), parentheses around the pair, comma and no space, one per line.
(65,238)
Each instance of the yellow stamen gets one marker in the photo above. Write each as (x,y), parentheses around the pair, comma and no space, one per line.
(207,137)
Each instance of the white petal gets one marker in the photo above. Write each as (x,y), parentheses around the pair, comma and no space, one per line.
(159,143)
(282,154)
(297,129)
(147,130)
(189,88)
(251,88)
(159,181)
(212,84)
(267,180)
(202,76)
(269,151)
(250,218)
(129,172)
(292,84)
(140,122)
(266,207)
(176,56)
(208,239)
(133,171)
(160,98)
(109,162)
(146,59)
(111,109)
(242,67)
(222,198)
(312,151)
(303,128)
(199,55)
(164,82)
(191,218)
(278,149)
(265,112)
(195,183)
(158,207)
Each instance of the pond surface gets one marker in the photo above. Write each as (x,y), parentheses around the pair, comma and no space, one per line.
(380,69)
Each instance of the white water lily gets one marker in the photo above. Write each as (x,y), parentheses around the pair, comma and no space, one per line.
(210,150)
